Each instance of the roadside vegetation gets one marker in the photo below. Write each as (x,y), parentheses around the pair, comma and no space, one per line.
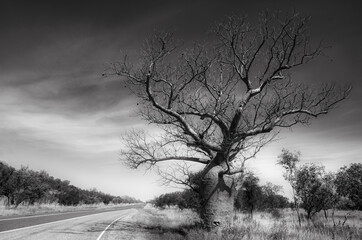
(176,224)
(325,205)
(24,191)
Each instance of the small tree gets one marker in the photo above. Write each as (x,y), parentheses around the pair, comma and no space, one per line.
(271,198)
(7,182)
(315,189)
(289,161)
(219,103)
(249,194)
(253,196)
(349,184)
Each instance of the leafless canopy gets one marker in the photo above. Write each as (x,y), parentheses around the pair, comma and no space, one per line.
(221,102)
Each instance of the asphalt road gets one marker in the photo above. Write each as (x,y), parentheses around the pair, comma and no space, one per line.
(74,225)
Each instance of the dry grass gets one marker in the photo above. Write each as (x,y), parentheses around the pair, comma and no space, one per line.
(172,224)
(169,218)
(151,223)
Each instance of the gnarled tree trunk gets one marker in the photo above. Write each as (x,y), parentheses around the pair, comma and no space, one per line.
(217,195)
(212,103)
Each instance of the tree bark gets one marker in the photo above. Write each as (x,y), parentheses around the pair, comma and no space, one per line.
(217,197)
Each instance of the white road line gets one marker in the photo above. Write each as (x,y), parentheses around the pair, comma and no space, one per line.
(104,231)
(44,224)
(61,213)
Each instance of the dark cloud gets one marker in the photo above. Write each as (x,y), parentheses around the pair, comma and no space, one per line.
(92,98)
(52,54)
(71,97)
(118,118)
(43,14)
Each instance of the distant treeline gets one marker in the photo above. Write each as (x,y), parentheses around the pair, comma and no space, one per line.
(25,186)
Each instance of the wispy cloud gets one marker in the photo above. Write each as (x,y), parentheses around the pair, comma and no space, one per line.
(74,114)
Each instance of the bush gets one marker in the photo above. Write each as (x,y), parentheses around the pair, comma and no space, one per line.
(185,199)
(275,213)
(251,196)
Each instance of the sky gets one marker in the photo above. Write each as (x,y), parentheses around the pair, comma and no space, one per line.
(57,112)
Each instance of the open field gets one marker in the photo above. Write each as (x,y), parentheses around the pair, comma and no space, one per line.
(174,224)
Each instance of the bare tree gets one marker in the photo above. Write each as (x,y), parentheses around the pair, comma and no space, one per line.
(219,103)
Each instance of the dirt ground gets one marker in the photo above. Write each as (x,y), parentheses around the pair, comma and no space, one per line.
(139,225)
(151,223)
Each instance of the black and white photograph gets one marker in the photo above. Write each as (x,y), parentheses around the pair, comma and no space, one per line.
(188,119)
